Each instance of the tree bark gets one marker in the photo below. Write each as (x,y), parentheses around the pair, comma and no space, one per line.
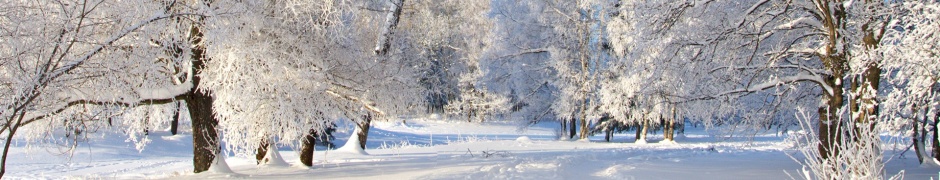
(668,129)
(308,147)
(830,124)
(11,130)
(262,151)
(174,125)
(572,128)
(205,135)
(391,21)
(917,140)
(609,133)
(834,61)
(639,129)
(645,129)
(364,127)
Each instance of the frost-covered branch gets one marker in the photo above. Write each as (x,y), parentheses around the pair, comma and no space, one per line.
(775,82)
(371,106)
(69,66)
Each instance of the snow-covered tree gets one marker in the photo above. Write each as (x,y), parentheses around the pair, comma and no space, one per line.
(65,64)
(517,63)
(453,36)
(791,50)
(910,52)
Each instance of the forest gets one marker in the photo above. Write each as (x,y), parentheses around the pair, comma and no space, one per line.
(843,81)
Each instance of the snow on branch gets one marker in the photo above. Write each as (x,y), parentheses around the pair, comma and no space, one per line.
(144,96)
(804,68)
(751,11)
(365,103)
(802,20)
(770,84)
(784,80)
(524,52)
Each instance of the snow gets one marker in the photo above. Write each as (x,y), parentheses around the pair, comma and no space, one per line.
(476,151)
(273,158)
(352,145)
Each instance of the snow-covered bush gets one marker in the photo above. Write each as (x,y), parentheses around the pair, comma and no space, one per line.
(858,155)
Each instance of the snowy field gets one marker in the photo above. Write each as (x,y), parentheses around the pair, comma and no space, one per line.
(421,149)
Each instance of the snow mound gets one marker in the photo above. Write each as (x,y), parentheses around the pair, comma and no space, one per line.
(668,142)
(219,166)
(616,171)
(352,145)
(524,140)
(273,158)
(351,149)
(641,141)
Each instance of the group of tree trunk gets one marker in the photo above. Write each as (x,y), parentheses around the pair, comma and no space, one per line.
(670,127)
(924,130)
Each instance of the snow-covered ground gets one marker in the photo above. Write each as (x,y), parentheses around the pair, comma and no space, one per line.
(421,149)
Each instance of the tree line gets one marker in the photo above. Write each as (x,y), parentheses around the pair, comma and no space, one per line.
(269,73)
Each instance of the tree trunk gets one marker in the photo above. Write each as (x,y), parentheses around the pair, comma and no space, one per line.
(572,128)
(364,127)
(936,137)
(668,129)
(307,149)
(262,151)
(639,129)
(834,61)
(584,127)
(669,126)
(830,124)
(174,125)
(391,21)
(645,129)
(609,133)
(11,130)
(918,141)
(205,136)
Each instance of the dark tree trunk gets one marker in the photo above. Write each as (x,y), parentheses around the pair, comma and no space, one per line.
(830,124)
(572,128)
(306,151)
(639,129)
(918,140)
(11,130)
(834,60)
(608,134)
(364,130)
(262,151)
(564,127)
(174,125)
(205,136)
